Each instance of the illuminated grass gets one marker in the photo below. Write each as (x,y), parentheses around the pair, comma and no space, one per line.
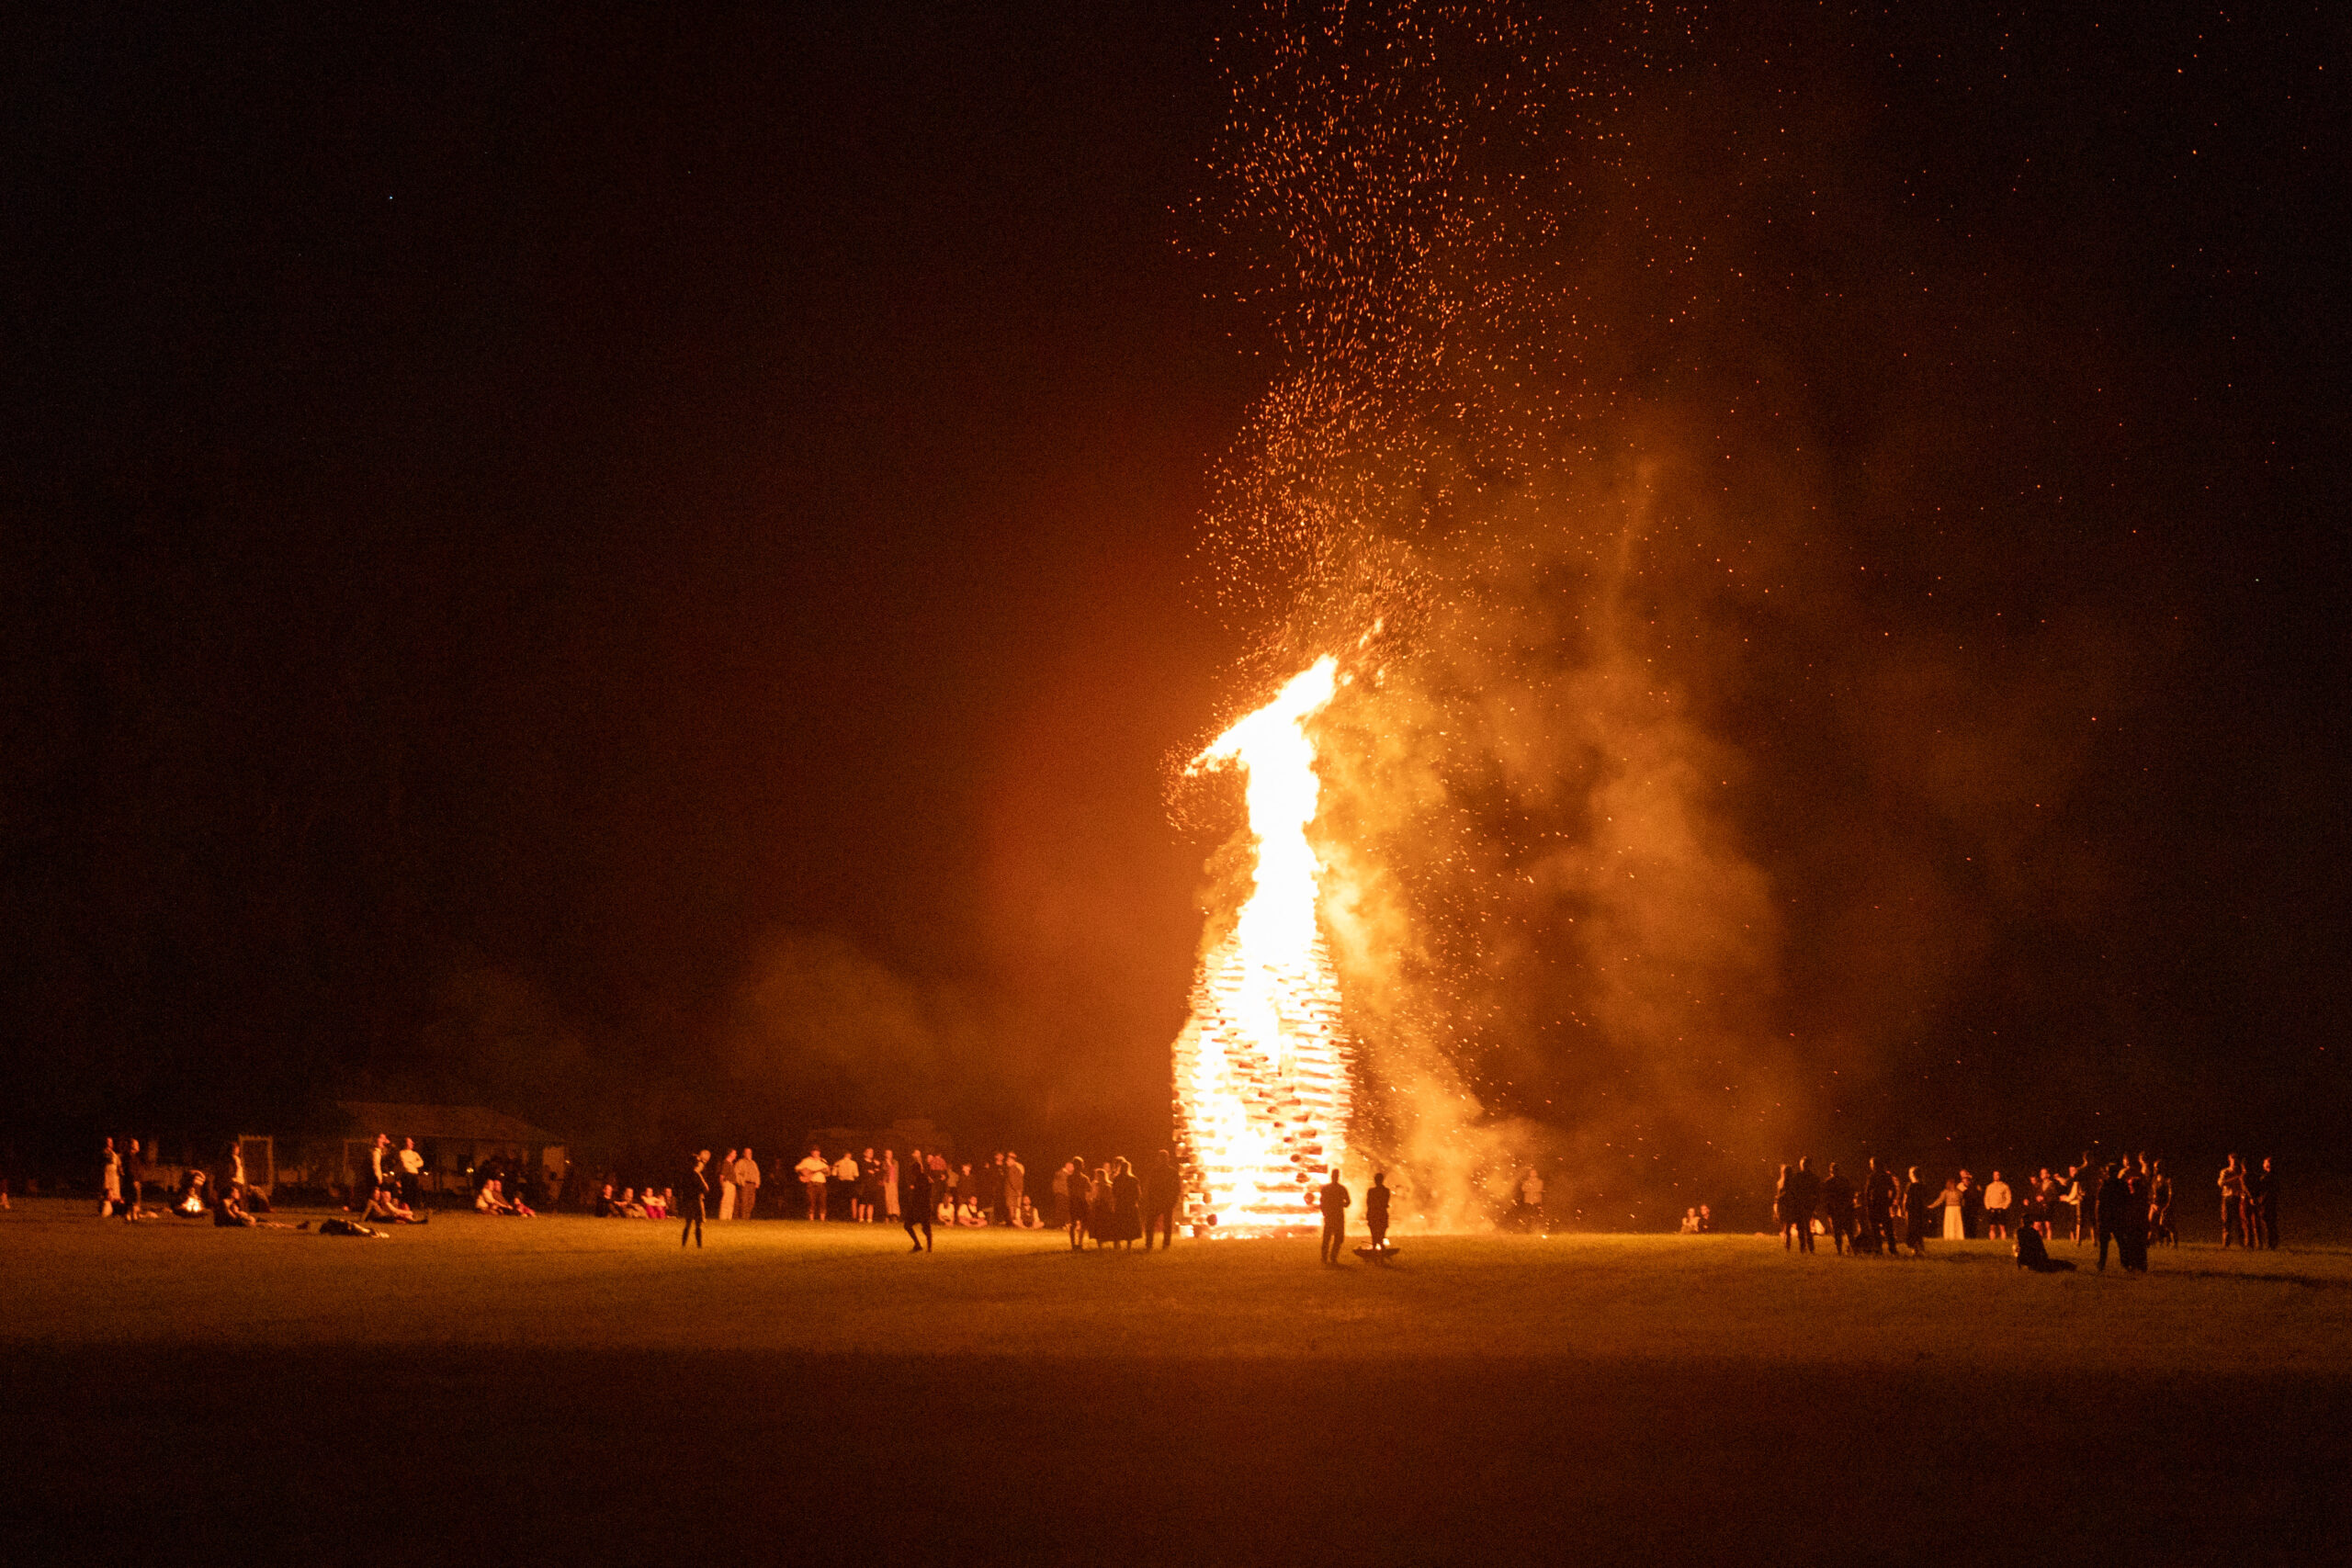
(564,1282)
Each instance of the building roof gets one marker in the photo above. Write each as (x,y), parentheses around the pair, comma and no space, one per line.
(478,1124)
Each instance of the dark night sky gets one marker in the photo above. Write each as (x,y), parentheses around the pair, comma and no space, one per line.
(585,500)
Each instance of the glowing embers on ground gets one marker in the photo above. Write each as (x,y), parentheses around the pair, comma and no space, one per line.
(1261,1070)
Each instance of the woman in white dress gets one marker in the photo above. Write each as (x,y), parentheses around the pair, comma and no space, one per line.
(1954,1230)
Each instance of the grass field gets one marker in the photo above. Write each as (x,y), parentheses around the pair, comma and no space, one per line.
(578,1391)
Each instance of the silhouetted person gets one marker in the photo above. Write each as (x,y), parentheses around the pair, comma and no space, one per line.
(2087,1178)
(1375,1210)
(2265,1194)
(915,1201)
(1972,1207)
(2033,1254)
(2114,1197)
(1837,1208)
(1127,1202)
(136,1173)
(1918,1201)
(1799,1195)
(1162,1189)
(1878,1205)
(1333,1199)
(2160,1225)
(2132,1227)
(1074,1185)
(694,1197)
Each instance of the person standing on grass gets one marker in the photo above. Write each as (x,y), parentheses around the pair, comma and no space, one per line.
(2265,1209)
(890,1209)
(2160,1225)
(1972,1207)
(1016,1185)
(915,1201)
(2232,1181)
(1918,1200)
(135,1181)
(813,1172)
(1127,1202)
(2086,1178)
(727,1186)
(1998,1199)
(109,1181)
(2117,1198)
(1375,1210)
(2256,1183)
(379,1156)
(2134,1240)
(843,1188)
(1162,1189)
(1838,1209)
(1333,1199)
(992,1180)
(747,1184)
(412,1166)
(694,1196)
(1877,1206)
(1071,1183)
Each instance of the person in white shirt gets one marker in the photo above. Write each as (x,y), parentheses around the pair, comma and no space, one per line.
(746,1185)
(411,1173)
(845,1182)
(1998,1199)
(813,1172)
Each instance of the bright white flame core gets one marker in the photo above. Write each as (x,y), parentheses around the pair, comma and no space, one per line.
(1261,1071)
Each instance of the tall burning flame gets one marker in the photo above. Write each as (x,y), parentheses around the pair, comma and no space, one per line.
(1263,1095)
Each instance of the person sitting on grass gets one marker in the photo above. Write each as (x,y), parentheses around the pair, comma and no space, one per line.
(656,1204)
(228,1210)
(2031,1254)
(387,1205)
(607,1206)
(492,1200)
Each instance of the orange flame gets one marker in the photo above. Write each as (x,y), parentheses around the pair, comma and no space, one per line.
(1262,1096)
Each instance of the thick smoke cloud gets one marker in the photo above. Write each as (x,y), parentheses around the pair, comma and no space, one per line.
(1723,664)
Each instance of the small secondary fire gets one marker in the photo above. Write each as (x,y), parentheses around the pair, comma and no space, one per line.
(1262,1094)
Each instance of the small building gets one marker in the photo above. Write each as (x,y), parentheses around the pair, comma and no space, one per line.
(453,1140)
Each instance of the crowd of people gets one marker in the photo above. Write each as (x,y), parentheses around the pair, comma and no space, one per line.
(1100,1205)
(2126,1202)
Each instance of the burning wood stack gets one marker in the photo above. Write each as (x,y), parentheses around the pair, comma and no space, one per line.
(1262,1088)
